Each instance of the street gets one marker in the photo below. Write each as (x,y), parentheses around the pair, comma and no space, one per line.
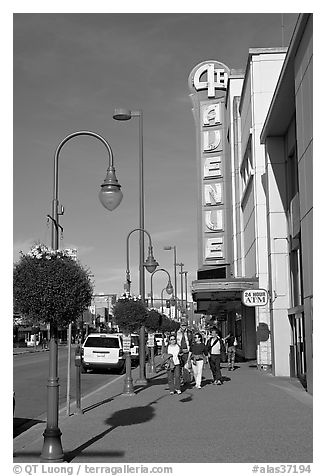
(30,376)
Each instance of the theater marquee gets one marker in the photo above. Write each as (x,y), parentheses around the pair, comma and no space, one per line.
(207,83)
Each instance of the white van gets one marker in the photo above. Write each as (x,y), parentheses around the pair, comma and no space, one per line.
(102,351)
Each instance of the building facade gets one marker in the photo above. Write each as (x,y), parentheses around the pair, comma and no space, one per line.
(243,234)
(288,137)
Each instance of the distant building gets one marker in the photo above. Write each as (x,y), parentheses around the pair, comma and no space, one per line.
(254,162)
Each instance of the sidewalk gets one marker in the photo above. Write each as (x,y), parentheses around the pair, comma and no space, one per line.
(253,417)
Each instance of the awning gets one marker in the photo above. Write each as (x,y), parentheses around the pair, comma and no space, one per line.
(213,295)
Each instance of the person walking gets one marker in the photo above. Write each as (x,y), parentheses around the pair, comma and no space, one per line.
(183,341)
(231,342)
(173,367)
(197,356)
(215,347)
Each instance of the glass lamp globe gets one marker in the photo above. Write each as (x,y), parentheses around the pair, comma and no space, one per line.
(110,196)
(169,288)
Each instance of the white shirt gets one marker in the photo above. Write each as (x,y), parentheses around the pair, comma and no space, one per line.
(174,349)
(216,349)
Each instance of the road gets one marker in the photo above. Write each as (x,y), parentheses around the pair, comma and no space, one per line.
(30,374)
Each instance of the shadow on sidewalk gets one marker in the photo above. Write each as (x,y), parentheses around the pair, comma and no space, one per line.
(23,424)
(126,417)
(102,402)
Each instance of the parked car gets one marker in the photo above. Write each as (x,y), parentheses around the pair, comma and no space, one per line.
(102,351)
(32,341)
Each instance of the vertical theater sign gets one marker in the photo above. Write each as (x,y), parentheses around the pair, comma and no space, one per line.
(207,84)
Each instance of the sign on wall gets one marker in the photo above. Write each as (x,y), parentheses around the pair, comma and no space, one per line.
(208,83)
(255,297)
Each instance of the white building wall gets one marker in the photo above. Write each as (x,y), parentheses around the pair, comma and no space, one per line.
(303,73)
(263,72)
(234,90)
(278,255)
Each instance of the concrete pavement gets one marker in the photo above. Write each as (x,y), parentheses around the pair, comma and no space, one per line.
(253,417)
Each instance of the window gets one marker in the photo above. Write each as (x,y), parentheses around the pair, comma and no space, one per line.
(106,342)
(246,168)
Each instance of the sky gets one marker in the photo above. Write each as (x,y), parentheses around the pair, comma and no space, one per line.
(70,71)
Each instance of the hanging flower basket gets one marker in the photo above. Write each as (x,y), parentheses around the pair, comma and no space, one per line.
(51,286)
(129,312)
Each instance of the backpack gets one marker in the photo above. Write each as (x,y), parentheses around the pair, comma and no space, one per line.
(212,341)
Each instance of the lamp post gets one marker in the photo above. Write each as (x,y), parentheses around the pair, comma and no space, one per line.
(110,196)
(186,289)
(181,282)
(168,288)
(186,286)
(174,248)
(150,264)
(122,114)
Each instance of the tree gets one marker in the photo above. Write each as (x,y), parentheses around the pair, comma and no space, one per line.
(129,313)
(51,286)
(153,320)
(168,325)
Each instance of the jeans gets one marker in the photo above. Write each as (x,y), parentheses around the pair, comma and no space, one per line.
(174,378)
(183,360)
(198,371)
(231,357)
(215,365)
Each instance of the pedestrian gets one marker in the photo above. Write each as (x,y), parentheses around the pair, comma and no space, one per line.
(215,347)
(183,340)
(198,356)
(231,342)
(44,343)
(173,366)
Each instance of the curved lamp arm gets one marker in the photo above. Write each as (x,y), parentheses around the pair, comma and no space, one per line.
(150,264)
(168,287)
(110,187)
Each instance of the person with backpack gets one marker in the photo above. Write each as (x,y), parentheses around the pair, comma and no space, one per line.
(215,348)
(184,341)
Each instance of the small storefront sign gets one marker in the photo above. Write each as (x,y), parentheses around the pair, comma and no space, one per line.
(255,297)
(150,340)
(126,342)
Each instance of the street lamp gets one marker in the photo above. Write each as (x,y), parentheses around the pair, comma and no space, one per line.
(174,248)
(110,196)
(150,264)
(168,288)
(121,114)
(162,306)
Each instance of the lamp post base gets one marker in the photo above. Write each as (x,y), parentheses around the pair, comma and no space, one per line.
(52,451)
(152,369)
(128,388)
